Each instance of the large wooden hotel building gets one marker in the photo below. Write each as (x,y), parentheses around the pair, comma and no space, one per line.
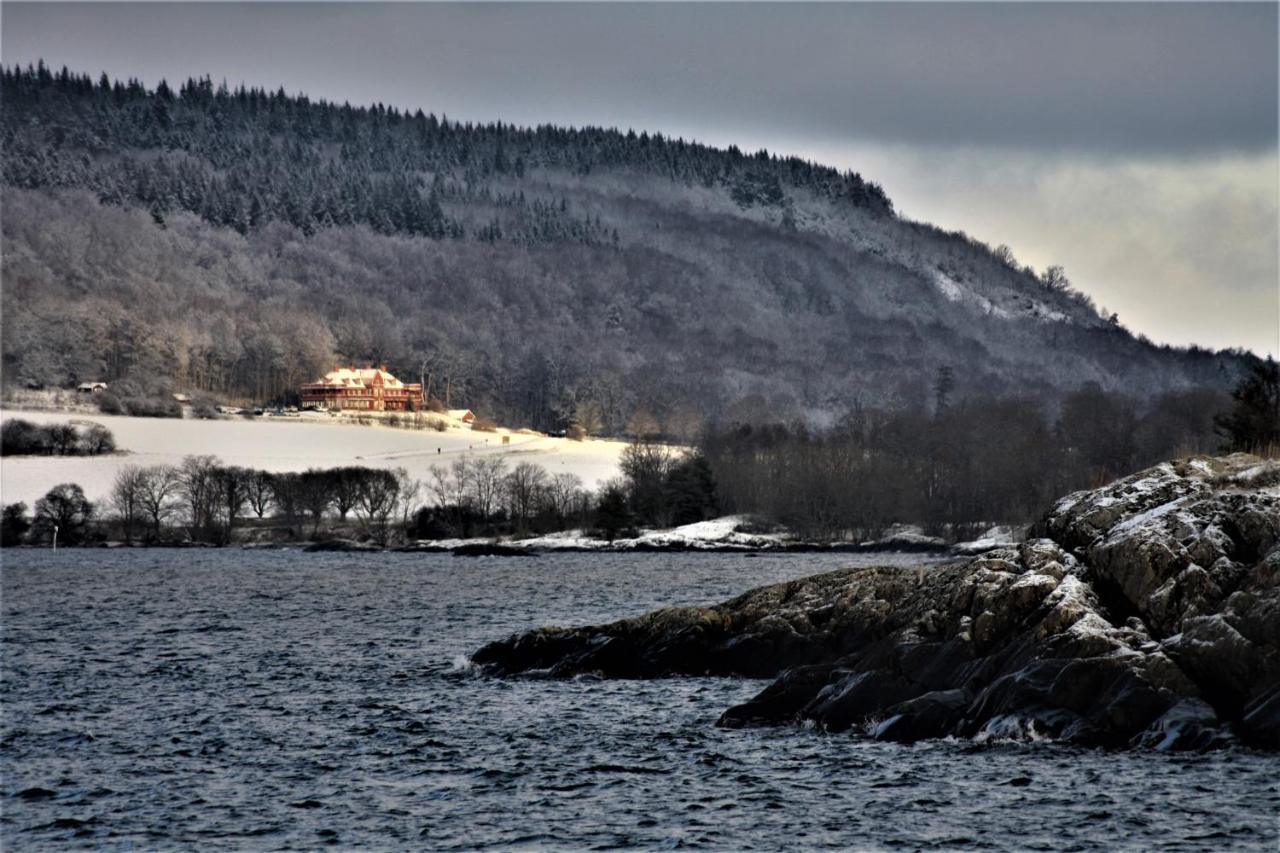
(372,389)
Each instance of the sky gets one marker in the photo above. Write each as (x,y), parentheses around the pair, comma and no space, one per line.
(1134,144)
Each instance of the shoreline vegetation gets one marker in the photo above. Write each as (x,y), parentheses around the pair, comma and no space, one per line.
(956,473)
(205,502)
(20,437)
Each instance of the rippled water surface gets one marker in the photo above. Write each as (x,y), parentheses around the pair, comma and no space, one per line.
(254,700)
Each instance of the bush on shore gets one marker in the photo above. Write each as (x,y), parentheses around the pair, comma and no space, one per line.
(23,438)
(152,407)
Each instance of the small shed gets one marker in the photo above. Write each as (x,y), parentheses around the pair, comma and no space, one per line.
(181,398)
(466,416)
(91,387)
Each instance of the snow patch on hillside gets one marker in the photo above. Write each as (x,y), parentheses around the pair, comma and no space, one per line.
(1016,306)
(954,291)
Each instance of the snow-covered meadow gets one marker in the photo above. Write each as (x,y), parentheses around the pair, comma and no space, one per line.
(288,444)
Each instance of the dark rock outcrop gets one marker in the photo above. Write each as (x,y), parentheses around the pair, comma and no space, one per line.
(340,545)
(1145,613)
(491,549)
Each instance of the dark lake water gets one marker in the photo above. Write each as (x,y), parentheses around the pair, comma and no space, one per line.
(269,700)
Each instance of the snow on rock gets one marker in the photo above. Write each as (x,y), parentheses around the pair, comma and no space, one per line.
(995,537)
(1132,605)
(1147,517)
(906,535)
(571,540)
(718,532)
(714,534)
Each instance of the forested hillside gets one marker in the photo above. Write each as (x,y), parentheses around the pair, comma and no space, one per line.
(239,242)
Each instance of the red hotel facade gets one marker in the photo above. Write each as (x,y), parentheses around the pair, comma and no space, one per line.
(371,389)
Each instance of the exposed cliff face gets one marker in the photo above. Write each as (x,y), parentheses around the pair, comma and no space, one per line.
(1146,613)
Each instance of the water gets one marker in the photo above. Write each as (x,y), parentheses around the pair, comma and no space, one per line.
(254,700)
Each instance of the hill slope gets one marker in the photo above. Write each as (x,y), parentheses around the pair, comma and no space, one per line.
(240,242)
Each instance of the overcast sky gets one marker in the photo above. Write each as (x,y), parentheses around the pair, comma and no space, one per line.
(1136,145)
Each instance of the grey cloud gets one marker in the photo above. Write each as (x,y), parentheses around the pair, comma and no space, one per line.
(1116,78)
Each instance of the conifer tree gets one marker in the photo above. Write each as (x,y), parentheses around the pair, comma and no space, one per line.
(1252,424)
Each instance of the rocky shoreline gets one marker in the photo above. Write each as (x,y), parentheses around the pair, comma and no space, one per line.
(1142,614)
(725,538)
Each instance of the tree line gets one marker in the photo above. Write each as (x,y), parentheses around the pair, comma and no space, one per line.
(202,500)
(965,465)
(659,486)
(20,437)
(245,157)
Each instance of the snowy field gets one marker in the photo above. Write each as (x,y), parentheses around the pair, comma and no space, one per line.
(288,444)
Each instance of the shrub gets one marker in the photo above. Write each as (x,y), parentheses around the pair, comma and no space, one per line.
(23,438)
(575,433)
(109,404)
(97,440)
(439,424)
(484,425)
(63,439)
(152,407)
(204,410)
(392,421)
(612,515)
(14,525)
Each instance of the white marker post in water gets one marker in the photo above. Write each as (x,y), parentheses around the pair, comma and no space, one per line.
(55,537)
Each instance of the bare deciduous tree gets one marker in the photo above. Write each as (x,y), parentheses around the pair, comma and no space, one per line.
(258,492)
(523,488)
(158,494)
(197,477)
(484,482)
(126,499)
(231,487)
(379,497)
(562,494)
(315,495)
